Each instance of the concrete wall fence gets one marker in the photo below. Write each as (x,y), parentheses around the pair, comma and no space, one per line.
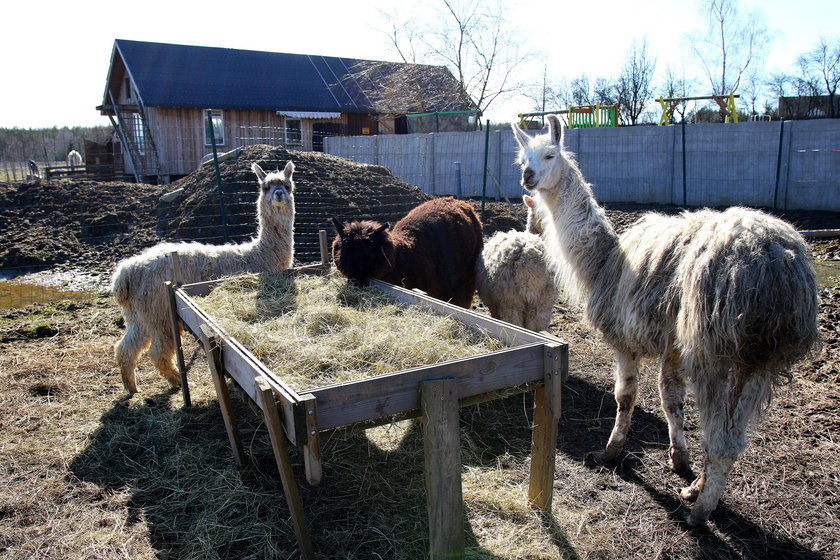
(790,165)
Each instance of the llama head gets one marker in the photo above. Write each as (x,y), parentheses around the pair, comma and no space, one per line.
(362,248)
(534,222)
(277,186)
(277,202)
(543,161)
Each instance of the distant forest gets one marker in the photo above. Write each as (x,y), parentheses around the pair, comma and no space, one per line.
(47,144)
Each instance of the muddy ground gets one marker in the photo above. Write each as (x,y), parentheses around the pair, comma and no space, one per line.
(88,473)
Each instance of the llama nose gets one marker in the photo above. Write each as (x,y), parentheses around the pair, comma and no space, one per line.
(527,176)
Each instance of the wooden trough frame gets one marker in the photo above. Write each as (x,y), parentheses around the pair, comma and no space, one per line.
(532,362)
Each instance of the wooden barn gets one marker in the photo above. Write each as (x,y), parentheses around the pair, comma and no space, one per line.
(158,95)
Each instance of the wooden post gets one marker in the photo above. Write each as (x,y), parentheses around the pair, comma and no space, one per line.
(176,339)
(312,447)
(284,465)
(214,358)
(325,248)
(441,442)
(547,405)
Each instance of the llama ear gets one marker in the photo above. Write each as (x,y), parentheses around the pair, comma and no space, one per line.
(521,137)
(529,202)
(289,169)
(258,171)
(555,130)
(339,228)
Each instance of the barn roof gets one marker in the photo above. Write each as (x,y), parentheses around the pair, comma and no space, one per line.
(168,75)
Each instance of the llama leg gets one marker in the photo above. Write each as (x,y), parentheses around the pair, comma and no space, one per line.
(626,388)
(127,350)
(672,395)
(162,353)
(726,421)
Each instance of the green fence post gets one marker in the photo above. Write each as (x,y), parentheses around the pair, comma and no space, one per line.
(778,165)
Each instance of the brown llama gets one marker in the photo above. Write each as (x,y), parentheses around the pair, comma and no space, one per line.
(433,248)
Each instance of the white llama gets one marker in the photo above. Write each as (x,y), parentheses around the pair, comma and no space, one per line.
(726,300)
(514,279)
(138,282)
(74,159)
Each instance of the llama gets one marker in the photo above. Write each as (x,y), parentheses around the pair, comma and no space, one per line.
(138,282)
(433,248)
(513,276)
(74,159)
(726,300)
(34,171)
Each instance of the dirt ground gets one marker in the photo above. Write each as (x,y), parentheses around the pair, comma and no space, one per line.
(89,473)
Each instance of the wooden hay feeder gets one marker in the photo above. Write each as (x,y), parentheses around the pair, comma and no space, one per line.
(531,362)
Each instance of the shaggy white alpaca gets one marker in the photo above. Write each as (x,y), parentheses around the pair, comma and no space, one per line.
(726,300)
(138,282)
(74,159)
(513,277)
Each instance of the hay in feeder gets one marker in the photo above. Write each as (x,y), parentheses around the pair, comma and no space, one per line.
(314,330)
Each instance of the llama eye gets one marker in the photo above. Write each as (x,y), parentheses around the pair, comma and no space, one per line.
(549,156)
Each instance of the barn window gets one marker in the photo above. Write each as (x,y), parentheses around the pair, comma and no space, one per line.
(138,133)
(294,135)
(217,121)
(128,89)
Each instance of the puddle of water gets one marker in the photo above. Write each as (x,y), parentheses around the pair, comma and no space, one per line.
(828,273)
(20,294)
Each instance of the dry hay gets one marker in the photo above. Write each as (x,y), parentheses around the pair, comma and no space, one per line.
(325,330)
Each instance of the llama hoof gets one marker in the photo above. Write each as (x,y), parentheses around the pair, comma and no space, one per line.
(690,493)
(696,521)
(603,458)
(679,463)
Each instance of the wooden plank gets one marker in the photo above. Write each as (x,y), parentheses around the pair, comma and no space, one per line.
(176,340)
(384,395)
(284,465)
(212,349)
(547,410)
(240,364)
(442,469)
(511,335)
(312,447)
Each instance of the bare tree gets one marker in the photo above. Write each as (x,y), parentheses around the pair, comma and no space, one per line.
(731,44)
(820,72)
(579,91)
(675,86)
(634,84)
(472,39)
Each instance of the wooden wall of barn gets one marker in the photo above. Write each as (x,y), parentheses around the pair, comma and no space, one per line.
(179,134)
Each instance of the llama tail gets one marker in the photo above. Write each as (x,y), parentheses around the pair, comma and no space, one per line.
(121,285)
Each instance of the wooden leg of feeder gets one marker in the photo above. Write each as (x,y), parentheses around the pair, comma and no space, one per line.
(179,350)
(544,433)
(312,447)
(214,359)
(442,446)
(284,465)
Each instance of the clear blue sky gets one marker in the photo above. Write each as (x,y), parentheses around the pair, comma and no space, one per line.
(55,64)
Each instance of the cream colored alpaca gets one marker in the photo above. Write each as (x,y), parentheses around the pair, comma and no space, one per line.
(138,282)
(725,300)
(513,277)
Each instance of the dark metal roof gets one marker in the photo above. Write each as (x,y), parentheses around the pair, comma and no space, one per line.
(167,75)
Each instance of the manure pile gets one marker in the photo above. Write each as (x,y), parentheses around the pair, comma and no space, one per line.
(317,330)
(326,186)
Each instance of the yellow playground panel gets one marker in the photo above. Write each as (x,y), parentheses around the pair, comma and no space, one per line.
(725,102)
